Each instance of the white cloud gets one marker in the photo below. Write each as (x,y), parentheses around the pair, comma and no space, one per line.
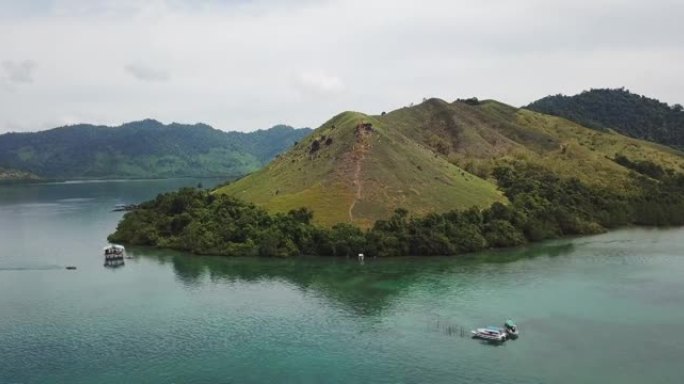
(319,83)
(146,73)
(18,72)
(236,64)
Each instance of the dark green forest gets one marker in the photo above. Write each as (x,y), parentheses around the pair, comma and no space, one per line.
(542,206)
(142,149)
(622,111)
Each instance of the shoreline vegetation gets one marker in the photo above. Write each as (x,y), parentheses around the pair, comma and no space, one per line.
(542,206)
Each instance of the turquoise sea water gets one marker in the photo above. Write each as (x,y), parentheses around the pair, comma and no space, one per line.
(601,309)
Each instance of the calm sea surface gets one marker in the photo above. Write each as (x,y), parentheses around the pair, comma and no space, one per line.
(602,309)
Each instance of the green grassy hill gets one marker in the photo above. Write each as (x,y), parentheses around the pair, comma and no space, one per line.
(357,168)
(143,149)
(435,157)
(481,136)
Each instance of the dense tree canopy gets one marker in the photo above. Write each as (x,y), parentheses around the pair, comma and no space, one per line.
(618,109)
(145,148)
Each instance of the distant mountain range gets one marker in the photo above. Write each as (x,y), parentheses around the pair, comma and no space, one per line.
(620,110)
(141,149)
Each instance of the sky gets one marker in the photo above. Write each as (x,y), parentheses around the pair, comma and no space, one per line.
(250,64)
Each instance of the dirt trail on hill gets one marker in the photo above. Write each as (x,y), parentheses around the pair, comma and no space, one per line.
(360,148)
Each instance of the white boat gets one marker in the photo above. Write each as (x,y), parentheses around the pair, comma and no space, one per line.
(114,251)
(490,333)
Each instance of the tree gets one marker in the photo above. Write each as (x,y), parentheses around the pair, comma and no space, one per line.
(347,240)
(501,233)
(301,215)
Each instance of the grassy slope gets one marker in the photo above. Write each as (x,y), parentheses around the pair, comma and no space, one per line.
(587,154)
(481,137)
(390,169)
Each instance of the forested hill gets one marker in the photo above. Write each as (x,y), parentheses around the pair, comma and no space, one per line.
(620,110)
(145,148)
(437,178)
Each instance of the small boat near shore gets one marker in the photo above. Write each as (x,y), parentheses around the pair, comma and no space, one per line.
(114,255)
(114,252)
(490,333)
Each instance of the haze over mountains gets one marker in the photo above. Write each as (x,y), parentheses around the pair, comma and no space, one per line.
(142,149)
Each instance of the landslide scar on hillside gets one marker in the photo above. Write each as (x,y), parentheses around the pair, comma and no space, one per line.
(362,133)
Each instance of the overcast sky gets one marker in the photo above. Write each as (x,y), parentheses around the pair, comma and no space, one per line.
(249,64)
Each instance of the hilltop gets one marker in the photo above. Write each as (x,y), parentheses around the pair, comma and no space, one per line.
(620,110)
(435,157)
(142,149)
(358,168)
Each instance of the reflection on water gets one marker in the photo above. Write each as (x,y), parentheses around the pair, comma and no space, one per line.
(548,249)
(114,263)
(365,288)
